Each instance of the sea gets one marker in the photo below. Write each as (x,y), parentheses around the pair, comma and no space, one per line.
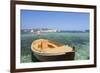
(79,40)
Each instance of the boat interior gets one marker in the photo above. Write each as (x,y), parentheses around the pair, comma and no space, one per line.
(43,44)
(49,46)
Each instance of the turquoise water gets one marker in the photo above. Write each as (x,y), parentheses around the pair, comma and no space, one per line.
(79,40)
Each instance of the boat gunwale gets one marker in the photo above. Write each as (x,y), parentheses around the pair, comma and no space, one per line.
(45,53)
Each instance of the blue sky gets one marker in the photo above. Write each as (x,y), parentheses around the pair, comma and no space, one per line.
(54,20)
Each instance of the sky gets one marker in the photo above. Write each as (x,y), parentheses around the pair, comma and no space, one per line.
(54,20)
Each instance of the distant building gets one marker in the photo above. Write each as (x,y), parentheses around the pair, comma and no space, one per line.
(49,30)
(42,30)
(31,30)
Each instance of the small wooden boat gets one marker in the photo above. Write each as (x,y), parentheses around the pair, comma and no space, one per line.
(46,50)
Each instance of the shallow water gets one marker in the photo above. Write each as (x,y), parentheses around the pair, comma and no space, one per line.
(79,40)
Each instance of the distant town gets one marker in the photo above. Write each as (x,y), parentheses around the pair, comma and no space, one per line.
(45,30)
